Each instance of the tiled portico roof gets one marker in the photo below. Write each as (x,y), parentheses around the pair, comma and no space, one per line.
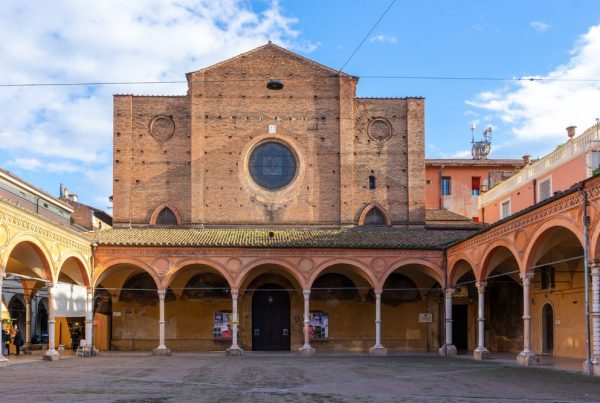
(355,238)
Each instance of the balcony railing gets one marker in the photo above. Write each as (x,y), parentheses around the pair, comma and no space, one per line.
(564,153)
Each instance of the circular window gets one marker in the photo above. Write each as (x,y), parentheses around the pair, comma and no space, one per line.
(380,129)
(272,165)
(162,127)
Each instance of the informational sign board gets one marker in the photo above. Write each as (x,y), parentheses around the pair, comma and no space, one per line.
(425,317)
(70,300)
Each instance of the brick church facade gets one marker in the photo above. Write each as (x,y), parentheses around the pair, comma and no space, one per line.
(191,153)
(270,180)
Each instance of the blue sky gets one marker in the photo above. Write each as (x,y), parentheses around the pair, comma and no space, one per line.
(50,135)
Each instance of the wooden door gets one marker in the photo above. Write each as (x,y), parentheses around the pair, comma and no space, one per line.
(271,319)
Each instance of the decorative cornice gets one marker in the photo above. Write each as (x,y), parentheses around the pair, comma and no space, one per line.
(537,215)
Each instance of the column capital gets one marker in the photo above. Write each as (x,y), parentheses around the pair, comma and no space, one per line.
(306,293)
(234,293)
(448,292)
(526,277)
(481,286)
(378,293)
(90,291)
(595,268)
(161,294)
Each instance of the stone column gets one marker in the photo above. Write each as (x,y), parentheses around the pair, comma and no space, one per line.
(481,352)
(51,354)
(448,349)
(162,348)
(27,346)
(378,348)
(306,349)
(234,349)
(595,270)
(3,359)
(89,319)
(526,357)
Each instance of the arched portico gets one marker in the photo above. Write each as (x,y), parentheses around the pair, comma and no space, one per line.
(555,260)
(137,303)
(270,299)
(411,306)
(341,306)
(201,312)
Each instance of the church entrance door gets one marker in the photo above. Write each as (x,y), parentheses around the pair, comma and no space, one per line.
(271,319)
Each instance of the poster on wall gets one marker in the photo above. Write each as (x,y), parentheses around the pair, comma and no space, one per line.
(318,325)
(222,325)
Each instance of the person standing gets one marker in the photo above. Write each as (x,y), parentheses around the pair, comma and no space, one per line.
(18,341)
(5,342)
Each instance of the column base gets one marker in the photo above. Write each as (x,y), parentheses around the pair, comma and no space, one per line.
(306,350)
(27,348)
(4,361)
(378,351)
(448,350)
(481,353)
(234,351)
(527,359)
(161,351)
(51,355)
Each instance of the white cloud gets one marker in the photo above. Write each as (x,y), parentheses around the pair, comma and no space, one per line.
(461,154)
(68,129)
(383,38)
(538,111)
(539,26)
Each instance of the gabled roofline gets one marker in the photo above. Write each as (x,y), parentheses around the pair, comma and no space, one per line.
(270,44)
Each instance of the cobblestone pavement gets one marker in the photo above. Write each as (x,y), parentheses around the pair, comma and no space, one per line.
(261,377)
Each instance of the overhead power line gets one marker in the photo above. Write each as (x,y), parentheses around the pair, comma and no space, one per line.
(368,77)
(367,35)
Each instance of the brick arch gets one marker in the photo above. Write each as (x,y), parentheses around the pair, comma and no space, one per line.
(214,266)
(285,265)
(40,249)
(377,206)
(160,208)
(454,267)
(101,269)
(79,260)
(363,270)
(481,273)
(543,230)
(429,268)
(594,241)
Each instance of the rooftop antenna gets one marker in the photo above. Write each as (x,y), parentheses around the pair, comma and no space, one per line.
(481,149)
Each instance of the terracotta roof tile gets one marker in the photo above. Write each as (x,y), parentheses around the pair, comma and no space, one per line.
(355,238)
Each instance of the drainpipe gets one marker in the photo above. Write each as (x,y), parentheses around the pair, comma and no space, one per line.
(586,222)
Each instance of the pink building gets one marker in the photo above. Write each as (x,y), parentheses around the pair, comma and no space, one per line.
(570,163)
(455,184)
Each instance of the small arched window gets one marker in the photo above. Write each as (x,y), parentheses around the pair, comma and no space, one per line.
(166,217)
(375,217)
